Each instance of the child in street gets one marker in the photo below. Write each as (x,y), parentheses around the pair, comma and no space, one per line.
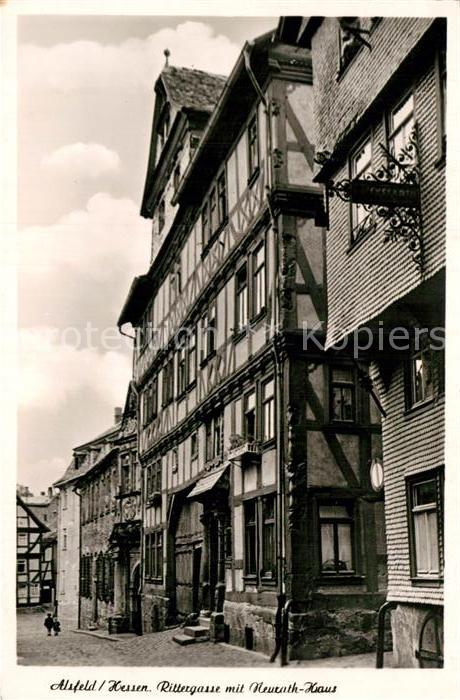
(56,626)
(49,623)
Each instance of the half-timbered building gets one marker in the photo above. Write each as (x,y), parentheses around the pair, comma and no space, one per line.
(31,568)
(379,111)
(254,443)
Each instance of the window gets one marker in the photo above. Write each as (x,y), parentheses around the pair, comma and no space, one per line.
(336,532)
(213,220)
(22,539)
(154,555)
(401,124)
(253,147)
(150,402)
(64,538)
(214,437)
(241,291)
(342,394)
(126,473)
(175,460)
(258,271)
(353,33)
(268,410)
(85,576)
(194,142)
(259,538)
(168,381)
(64,500)
(268,536)
(425,526)
(22,566)
(181,367)
(153,478)
(441,98)
(360,166)
(161,216)
(222,198)
(422,375)
(205,231)
(191,357)
(209,332)
(250,538)
(194,446)
(249,425)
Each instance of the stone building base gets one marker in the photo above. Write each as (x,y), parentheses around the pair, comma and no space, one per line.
(250,626)
(406,626)
(322,633)
(155,611)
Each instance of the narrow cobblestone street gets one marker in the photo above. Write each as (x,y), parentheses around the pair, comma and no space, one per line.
(35,648)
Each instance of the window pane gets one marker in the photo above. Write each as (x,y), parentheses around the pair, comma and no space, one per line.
(327,547)
(432,526)
(421,542)
(344,542)
(342,403)
(403,112)
(425,493)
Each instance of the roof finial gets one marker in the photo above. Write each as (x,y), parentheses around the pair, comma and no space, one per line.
(167,54)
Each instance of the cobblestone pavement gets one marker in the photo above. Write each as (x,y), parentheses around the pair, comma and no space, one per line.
(35,648)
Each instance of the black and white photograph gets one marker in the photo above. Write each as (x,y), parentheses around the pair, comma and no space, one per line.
(230,240)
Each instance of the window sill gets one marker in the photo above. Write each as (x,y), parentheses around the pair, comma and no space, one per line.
(419,407)
(192,385)
(258,317)
(253,177)
(420,581)
(339,579)
(268,444)
(154,580)
(181,395)
(239,335)
(440,163)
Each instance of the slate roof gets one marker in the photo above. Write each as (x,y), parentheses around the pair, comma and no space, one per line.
(193,89)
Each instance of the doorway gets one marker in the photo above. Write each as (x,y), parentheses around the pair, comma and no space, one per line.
(196,581)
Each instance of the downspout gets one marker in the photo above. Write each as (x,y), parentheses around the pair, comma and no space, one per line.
(388,606)
(77,493)
(281,613)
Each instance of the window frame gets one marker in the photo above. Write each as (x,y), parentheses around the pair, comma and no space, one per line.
(222,198)
(392,131)
(264,402)
(350,520)
(343,384)
(161,215)
(257,308)
(246,411)
(254,573)
(253,163)
(437,475)
(441,99)
(359,229)
(153,543)
(241,290)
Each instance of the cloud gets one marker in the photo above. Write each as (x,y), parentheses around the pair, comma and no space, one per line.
(53,372)
(127,66)
(82,265)
(82,160)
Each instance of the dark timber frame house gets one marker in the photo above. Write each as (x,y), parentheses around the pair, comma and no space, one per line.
(255,448)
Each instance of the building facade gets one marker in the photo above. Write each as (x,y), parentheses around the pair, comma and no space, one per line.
(110,512)
(31,565)
(254,443)
(379,111)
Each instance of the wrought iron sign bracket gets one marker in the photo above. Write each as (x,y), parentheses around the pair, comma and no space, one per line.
(391,194)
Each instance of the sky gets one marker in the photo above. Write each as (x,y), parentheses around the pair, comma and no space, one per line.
(85,107)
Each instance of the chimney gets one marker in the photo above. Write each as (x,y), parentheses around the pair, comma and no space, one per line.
(117,414)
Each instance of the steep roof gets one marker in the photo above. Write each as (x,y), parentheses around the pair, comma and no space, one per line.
(191,88)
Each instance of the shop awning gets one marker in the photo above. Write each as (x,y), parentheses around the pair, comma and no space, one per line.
(208,482)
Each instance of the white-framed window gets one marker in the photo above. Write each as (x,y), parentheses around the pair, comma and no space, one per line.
(258,271)
(241,297)
(360,166)
(401,124)
(425,495)
(253,146)
(268,410)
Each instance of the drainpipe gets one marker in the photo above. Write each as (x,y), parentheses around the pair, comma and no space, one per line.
(387,606)
(77,493)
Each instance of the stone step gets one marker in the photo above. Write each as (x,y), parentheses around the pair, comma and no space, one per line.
(196,631)
(183,639)
(204,621)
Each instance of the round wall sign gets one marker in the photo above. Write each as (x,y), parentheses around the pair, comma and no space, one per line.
(376,474)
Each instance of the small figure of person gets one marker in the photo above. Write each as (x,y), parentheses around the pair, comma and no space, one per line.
(49,624)
(56,626)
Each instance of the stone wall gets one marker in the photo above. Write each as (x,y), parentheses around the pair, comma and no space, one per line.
(155,609)
(321,633)
(248,623)
(406,625)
